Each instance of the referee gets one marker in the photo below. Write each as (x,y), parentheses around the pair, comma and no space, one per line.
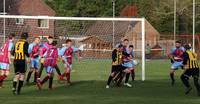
(191,68)
(20,53)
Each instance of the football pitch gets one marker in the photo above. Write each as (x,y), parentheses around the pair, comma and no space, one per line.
(89,79)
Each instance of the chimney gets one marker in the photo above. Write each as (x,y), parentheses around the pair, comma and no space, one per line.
(129,11)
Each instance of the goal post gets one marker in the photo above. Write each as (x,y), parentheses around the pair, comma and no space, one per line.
(80,19)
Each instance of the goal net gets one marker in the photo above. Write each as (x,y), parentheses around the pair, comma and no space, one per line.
(95,37)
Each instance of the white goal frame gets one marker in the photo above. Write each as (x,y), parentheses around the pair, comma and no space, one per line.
(142,20)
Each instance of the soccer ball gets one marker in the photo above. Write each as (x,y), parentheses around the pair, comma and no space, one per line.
(135,62)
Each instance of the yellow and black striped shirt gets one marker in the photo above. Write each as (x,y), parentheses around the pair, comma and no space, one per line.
(116,57)
(21,50)
(190,60)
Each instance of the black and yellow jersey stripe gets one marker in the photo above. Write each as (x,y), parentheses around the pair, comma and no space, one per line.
(21,50)
(116,57)
(190,60)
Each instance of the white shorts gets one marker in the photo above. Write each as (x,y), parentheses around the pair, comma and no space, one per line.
(4,66)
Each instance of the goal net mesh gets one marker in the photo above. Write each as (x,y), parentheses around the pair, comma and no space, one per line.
(94,38)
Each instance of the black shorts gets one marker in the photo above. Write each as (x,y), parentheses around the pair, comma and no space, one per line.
(192,72)
(117,68)
(19,66)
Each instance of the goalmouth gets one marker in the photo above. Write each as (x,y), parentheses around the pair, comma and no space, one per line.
(113,20)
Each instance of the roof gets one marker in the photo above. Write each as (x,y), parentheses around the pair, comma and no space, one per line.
(27,7)
(94,37)
(104,29)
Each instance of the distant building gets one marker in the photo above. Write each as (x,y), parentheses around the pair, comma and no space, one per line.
(41,27)
(95,47)
(130,30)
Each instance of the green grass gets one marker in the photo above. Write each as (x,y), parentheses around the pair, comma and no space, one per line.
(88,87)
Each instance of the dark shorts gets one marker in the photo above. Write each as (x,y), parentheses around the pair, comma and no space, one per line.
(192,72)
(19,66)
(117,68)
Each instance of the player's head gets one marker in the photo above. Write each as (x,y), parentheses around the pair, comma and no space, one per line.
(120,47)
(68,42)
(125,42)
(11,36)
(24,35)
(50,39)
(130,47)
(37,40)
(187,47)
(178,44)
(54,43)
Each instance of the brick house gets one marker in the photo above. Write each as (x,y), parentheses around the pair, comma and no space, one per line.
(39,27)
(96,47)
(129,30)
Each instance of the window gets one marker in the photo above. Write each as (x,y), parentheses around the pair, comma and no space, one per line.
(43,23)
(19,21)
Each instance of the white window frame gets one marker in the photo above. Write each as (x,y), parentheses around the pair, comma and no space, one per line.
(19,21)
(39,25)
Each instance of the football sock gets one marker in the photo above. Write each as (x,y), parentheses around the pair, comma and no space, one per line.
(45,79)
(14,84)
(40,71)
(133,75)
(127,77)
(35,76)
(109,80)
(20,86)
(50,82)
(29,76)
(68,77)
(172,76)
(185,81)
(57,70)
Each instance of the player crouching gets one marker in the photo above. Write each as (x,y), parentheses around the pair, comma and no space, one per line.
(67,54)
(117,68)
(5,58)
(191,68)
(49,64)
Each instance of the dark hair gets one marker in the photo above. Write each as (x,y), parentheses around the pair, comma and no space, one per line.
(54,43)
(120,46)
(125,40)
(11,35)
(50,37)
(178,41)
(68,40)
(187,47)
(130,46)
(24,35)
